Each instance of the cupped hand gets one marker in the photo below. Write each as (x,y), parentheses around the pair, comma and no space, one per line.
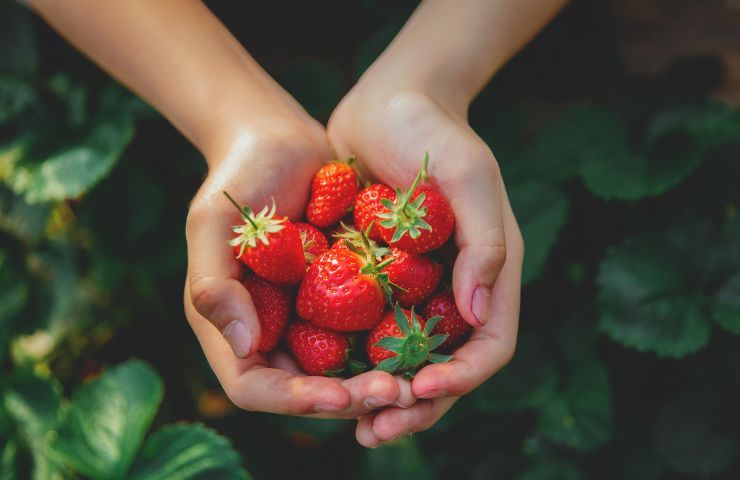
(389,132)
(275,160)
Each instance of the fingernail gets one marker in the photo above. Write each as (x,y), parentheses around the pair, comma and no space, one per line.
(239,339)
(481,303)
(326,407)
(433,394)
(399,405)
(374,402)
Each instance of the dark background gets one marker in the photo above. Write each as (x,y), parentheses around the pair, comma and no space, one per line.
(619,146)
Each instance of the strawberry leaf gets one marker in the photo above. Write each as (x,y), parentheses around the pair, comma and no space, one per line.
(401,320)
(393,344)
(431,323)
(438,358)
(437,340)
(389,365)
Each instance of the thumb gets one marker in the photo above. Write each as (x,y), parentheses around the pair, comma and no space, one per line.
(479,234)
(213,279)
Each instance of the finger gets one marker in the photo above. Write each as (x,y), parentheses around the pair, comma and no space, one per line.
(406,396)
(251,385)
(364,431)
(214,276)
(491,346)
(394,422)
(284,361)
(479,234)
(368,391)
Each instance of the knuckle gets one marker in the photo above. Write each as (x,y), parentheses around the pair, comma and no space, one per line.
(237,398)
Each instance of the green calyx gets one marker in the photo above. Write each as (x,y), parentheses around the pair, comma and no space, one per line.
(373,266)
(351,236)
(256,227)
(414,348)
(406,215)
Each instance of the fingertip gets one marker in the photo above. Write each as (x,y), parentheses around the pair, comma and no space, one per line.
(364,431)
(435,381)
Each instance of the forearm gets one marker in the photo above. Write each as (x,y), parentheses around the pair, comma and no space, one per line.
(451,49)
(176,55)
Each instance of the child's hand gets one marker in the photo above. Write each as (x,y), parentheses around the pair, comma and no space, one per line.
(389,133)
(274,159)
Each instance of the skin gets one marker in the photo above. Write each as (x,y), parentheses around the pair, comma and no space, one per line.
(260,144)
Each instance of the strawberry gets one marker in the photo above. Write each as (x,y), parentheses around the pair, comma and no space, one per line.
(417,220)
(400,342)
(273,308)
(368,204)
(314,242)
(417,276)
(452,323)
(319,351)
(269,245)
(344,289)
(333,191)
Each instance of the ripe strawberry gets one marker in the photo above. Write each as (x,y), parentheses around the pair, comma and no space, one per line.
(319,351)
(273,308)
(368,205)
(344,289)
(417,276)
(269,245)
(452,323)
(314,242)
(333,191)
(400,342)
(417,220)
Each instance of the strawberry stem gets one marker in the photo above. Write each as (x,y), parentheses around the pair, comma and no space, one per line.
(245,211)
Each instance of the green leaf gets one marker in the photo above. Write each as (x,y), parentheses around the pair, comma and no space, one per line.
(611,170)
(541,210)
(16,36)
(528,381)
(394,344)
(557,151)
(185,452)
(8,454)
(552,471)
(317,85)
(34,404)
(693,436)
(726,305)
(108,419)
(70,171)
(647,301)
(581,415)
(16,96)
(400,460)
(389,365)
(17,217)
(712,123)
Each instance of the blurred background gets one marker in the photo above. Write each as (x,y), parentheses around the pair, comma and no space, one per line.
(619,140)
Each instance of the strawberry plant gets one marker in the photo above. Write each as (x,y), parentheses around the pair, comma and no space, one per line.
(624,185)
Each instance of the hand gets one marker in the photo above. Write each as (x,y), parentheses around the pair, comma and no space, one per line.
(389,131)
(274,159)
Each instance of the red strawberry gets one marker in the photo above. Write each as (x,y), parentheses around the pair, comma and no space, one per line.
(418,220)
(273,308)
(452,323)
(319,351)
(344,289)
(400,342)
(269,245)
(417,276)
(314,242)
(333,191)
(368,205)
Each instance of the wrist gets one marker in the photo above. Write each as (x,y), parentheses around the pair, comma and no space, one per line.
(390,76)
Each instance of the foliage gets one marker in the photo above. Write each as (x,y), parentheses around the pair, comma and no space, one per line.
(625,189)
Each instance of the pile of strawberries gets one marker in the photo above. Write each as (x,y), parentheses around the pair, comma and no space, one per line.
(369,283)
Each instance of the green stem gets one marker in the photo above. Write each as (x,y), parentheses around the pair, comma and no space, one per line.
(246,213)
(422,175)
